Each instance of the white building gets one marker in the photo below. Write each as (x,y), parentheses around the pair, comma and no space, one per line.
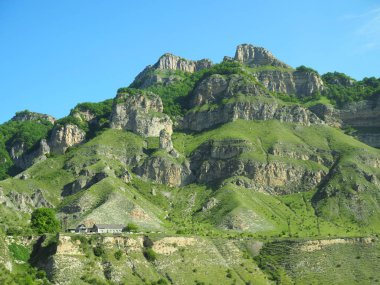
(107,228)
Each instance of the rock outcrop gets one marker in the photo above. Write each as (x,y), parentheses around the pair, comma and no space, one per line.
(63,137)
(23,158)
(300,83)
(24,202)
(281,77)
(165,170)
(363,116)
(220,99)
(256,56)
(220,160)
(218,87)
(172,62)
(33,116)
(259,110)
(140,113)
(160,72)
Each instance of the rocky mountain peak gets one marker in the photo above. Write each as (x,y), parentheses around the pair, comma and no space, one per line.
(255,56)
(170,61)
(26,115)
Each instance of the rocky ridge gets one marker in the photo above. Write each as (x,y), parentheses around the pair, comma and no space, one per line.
(32,116)
(168,62)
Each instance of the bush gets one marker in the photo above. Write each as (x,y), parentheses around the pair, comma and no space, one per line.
(149,254)
(99,250)
(43,220)
(131,227)
(118,254)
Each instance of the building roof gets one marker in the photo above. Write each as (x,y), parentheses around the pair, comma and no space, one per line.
(109,226)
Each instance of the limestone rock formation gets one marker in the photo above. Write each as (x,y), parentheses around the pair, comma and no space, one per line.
(24,202)
(255,56)
(165,170)
(300,83)
(63,137)
(160,72)
(85,115)
(220,160)
(281,77)
(260,110)
(23,158)
(218,87)
(363,116)
(140,113)
(32,116)
(166,141)
(172,62)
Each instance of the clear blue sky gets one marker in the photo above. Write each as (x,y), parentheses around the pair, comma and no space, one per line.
(55,54)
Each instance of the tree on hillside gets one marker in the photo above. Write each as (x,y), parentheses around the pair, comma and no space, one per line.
(43,220)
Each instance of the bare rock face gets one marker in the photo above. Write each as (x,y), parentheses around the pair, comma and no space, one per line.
(165,170)
(260,110)
(23,158)
(300,83)
(213,161)
(161,71)
(220,99)
(166,141)
(328,114)
(255,56)
(85,115)
(363,116)
(141,114)
(24,202)
(307,83)
(218,87)
(284,79)
(172,62)
(32,116)
(63,137)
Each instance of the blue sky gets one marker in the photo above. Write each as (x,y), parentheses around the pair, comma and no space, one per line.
(55,54)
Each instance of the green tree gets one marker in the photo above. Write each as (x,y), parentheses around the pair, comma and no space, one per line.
(43,220)
(131,227)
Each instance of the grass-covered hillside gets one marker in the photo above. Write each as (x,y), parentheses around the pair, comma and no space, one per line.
(243,184)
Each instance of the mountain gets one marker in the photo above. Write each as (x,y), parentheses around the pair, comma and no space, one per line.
(248,170)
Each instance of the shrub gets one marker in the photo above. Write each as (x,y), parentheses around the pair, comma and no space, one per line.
(149,254)
(99,250)
(43,220)
(118,254)
(131,227)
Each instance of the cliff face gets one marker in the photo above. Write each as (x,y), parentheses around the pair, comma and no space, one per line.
(220,99)
(202,120)
(281,77)
(23,158)
(63,137)
(161,71)
(32,116)
(141,114)
(172,62)
(165,170)
(220,160)
(300,83)
(256,56)
(362,116)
